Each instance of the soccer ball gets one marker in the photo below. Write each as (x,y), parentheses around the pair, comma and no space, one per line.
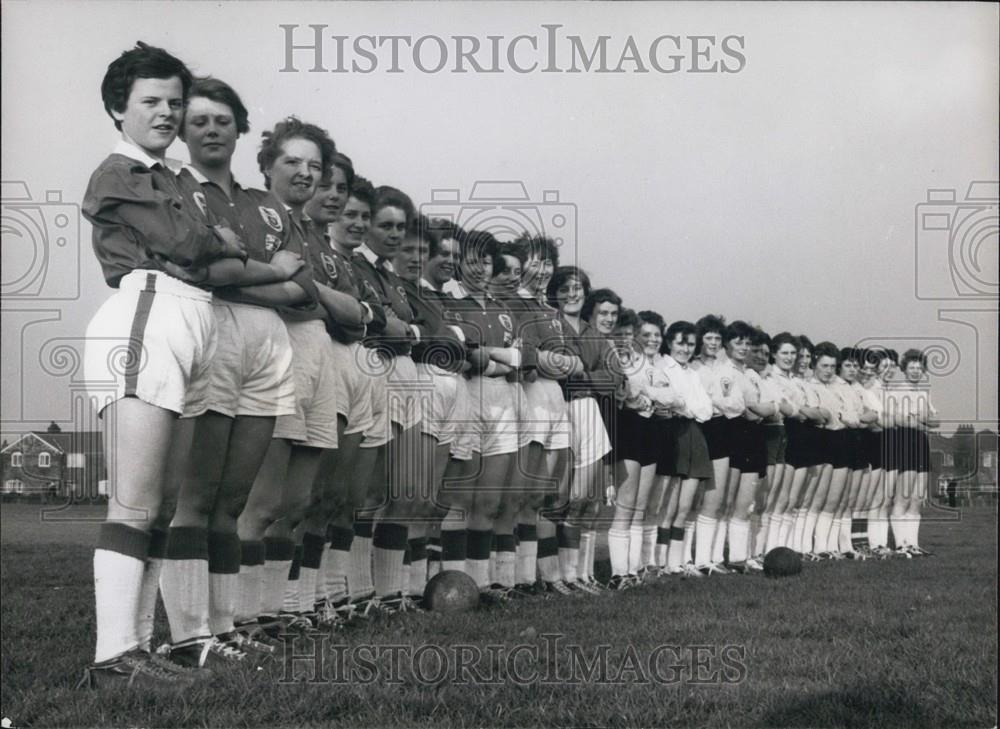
(451,591)
(782,562)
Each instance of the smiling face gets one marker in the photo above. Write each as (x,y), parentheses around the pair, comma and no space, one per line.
(849,370)
(604,317)
(711,344)
(388,228)
(737,349)
(442,267)
(328,201)
(867,371)
(411,258)
(804,361)
(760,357)
(570,296)
(153,114)
(509,280)
(210,133)
(477,271)
(295,172)
(682,347)
(351,228)
(914,371)
(887,369)
(649,338)
(786,356)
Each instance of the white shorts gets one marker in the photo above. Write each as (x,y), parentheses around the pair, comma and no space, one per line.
(521,414)
(546,416)
(251,372)
(314,422)
(376,370)
(154,340)
(355,386)
(406,388)
(590,441)
(440,408)
(497,407)
(466,425)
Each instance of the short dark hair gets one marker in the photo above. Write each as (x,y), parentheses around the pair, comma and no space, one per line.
(710,323)
(479,243)
(759,338)
(850,354)
(561,276)
(873,356)
(737,330)
(805,343)
(627,318)
(536,245)
(826,349)
(392,197)
(893,355)
(222,93)
(913,355)
(596,297)
(784,338)
(652,317)
(361,189)
(443,230)
(342,162)
(293,128)
(678,327)
(500,263)
(143,61)
(421,229)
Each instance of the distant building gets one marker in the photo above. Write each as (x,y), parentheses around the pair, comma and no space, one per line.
(967,457)
(54,465)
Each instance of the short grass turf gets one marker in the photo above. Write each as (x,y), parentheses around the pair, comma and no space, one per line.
(898,643)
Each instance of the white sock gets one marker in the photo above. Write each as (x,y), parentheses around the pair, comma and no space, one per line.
(634,548)
(647,554)
(359,579)
(821,531)
(272,592)
(185,588)
(117,586)
(776,527)
(618,548)
(569,557)
(760,532)
(505,568)
(586,542)
(147,602)
(526,566)
(249,592)
(719,541)
(308,577)
(809,541)
(846,546)
(799,532)
(915,530)
(705,528)
(222,590)
(739,539)
(689,532)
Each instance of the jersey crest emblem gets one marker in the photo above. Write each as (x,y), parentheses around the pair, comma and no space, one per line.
(271,217)
(557,325)
(271,243)
(330,266)
(506,322)
(402,293)
(727,386)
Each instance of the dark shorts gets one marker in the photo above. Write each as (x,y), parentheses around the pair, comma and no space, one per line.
(833,448)
(638,438)
(873,447)
(719,435)
(909,450)
(750,455)
(801,449)
(774,436)
(690,452)
(857,449)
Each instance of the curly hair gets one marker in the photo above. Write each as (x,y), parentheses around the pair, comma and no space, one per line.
(273,141)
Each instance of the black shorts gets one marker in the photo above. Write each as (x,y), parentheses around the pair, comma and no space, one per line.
(802,449)
(912,451)
(834,448)
(719,434)
(690,451)
(873,447)
(857,451)
(750,445)
(638,438)
(666,444)
(889,444)
(774,436)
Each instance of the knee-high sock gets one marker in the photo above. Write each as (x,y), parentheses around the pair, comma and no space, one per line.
(845,545)
(760,525)
(634,548)
(591,554)
(313,549)
(675,550)
(477,561)
(689,533)
(291,601)
(359,581)
(878,532)
(146,609)
(719,541)
(251,578)
(582,568)
(739,540)
(279,553)
(618,549)
(915,530)
(705,528)
(184,583)
(647,554)
(433,555)
(548,559)
(526,567)
(418,566)
(454,549)
(809,541)
(821,532)
(223,580)
(389,550)
(775,530)
(338,563)
(119,565)
(569,550)
(799,531)
(505,558)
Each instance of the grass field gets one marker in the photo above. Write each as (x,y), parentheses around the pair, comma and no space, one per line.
(900,643)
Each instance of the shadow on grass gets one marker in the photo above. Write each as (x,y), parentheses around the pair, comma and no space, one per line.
(861,705)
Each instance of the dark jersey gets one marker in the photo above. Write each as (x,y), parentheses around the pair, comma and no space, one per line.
(392,295)
(139,213)
(600,377)
(438,343)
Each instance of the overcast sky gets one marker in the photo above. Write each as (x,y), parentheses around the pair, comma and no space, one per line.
(781,188)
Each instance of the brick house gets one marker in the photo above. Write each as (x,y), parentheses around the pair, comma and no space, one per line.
(54,465)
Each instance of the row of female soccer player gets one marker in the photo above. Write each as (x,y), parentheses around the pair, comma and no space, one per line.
(318,390)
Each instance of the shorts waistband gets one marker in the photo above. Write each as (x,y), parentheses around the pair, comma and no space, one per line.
(143,279)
